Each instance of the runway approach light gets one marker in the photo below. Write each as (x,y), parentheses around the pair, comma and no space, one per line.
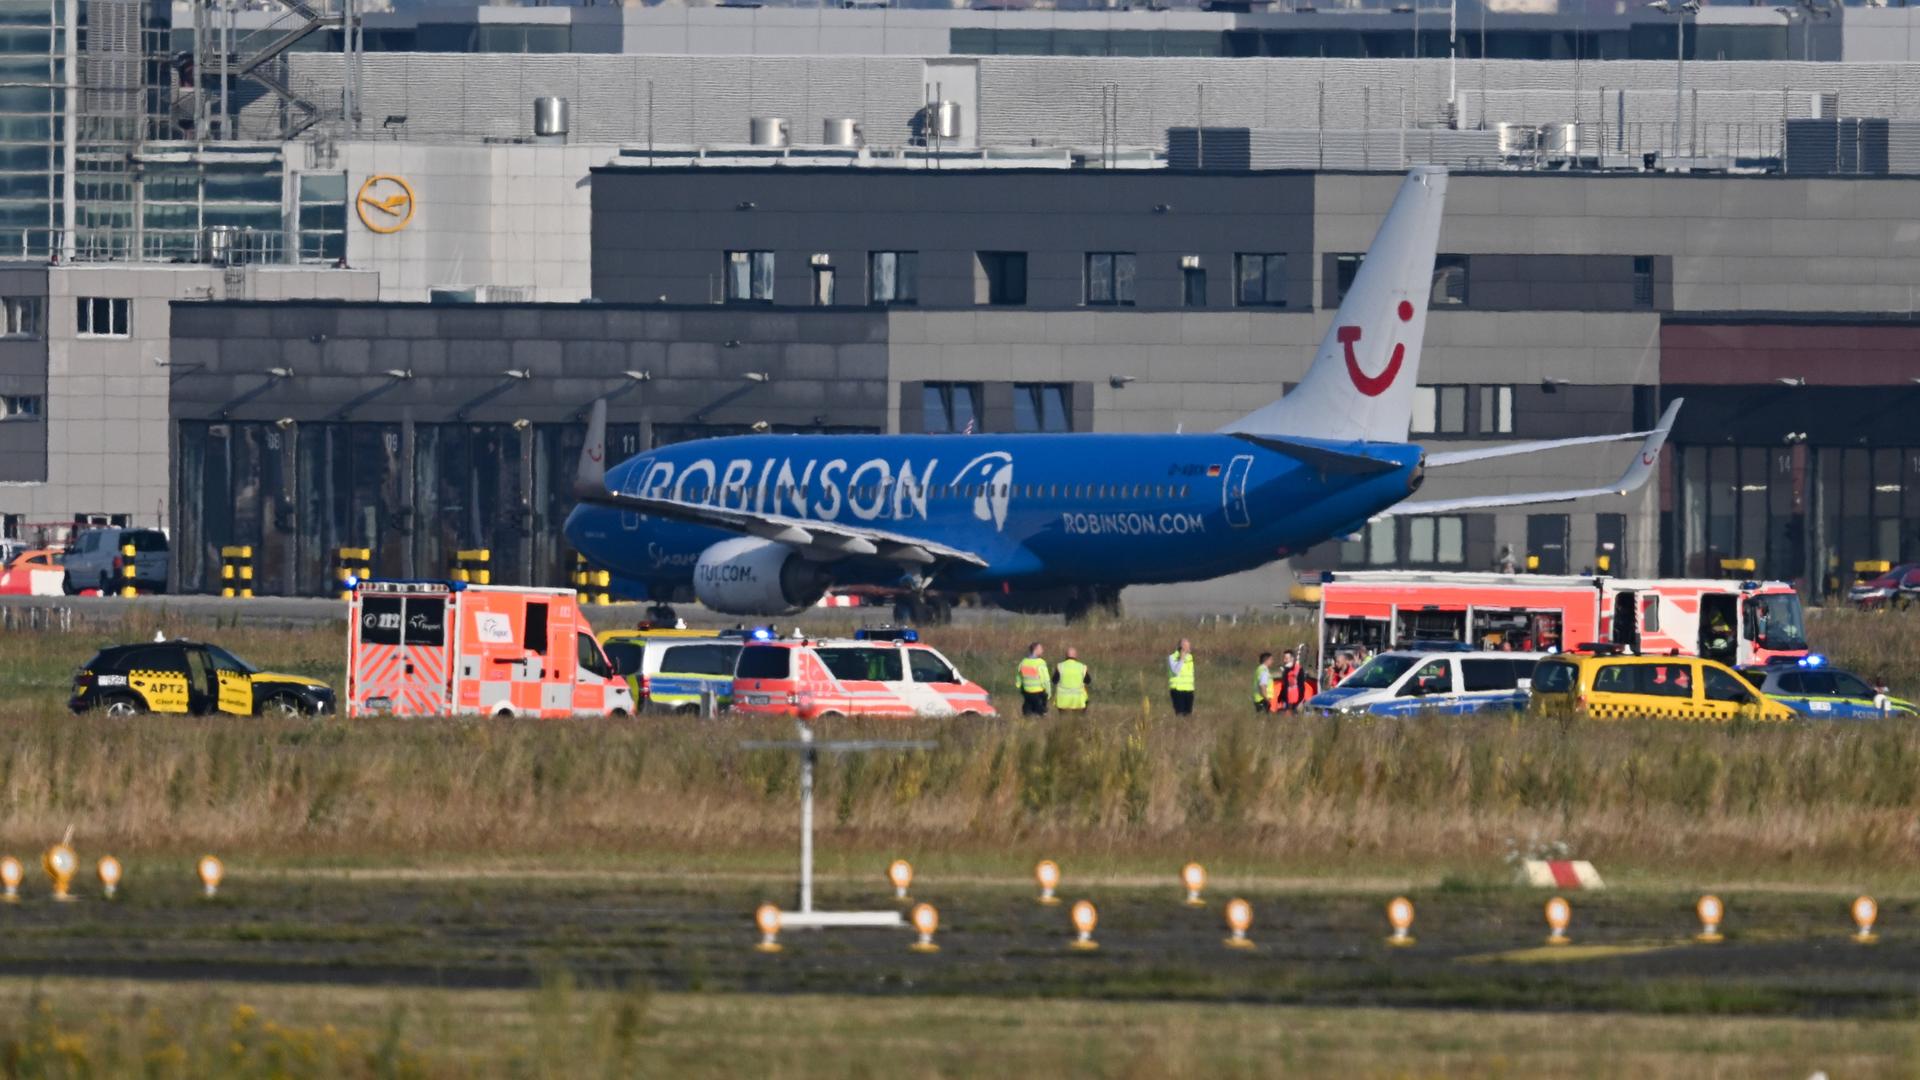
(1865,911)
(1559,916)
(1239,918)
(1400,917)
(1711,911)
(61,864)
(767,918)
(900,872)
(211,870)
(1085,918)
(1194,877)
(1047,873)
(109,870)
(10,874)
(926,920)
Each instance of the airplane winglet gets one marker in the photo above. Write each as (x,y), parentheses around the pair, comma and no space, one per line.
(1642,465)
(590,477)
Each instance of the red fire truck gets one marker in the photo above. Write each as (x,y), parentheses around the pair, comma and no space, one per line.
(433,648)
(1734,622)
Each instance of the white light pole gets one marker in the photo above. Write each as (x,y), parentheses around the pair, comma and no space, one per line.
(1453,50)
(1679,12)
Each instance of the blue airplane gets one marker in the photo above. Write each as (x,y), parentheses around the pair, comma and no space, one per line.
(766,524)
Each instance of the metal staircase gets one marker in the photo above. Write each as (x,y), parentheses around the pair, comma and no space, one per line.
(252,54)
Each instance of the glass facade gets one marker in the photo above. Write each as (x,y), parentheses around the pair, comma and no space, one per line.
(32,81)
(195,207)
(1803,513)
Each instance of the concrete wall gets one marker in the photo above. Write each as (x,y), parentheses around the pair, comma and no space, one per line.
(830,363)
(23,371)
(1734,243)
(662,232)
(1623,106)
(511,217)
(107,397)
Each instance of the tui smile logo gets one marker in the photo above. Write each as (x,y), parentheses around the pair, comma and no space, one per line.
(1374,385)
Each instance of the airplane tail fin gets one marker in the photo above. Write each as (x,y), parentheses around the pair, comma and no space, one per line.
(1360,386)
(590,475)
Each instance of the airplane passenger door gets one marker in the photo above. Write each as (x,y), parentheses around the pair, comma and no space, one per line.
(1234,492)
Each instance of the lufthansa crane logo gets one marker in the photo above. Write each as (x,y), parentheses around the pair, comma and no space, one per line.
(385,203)
(1374,385)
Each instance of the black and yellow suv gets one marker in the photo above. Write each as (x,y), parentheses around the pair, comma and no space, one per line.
(191,678)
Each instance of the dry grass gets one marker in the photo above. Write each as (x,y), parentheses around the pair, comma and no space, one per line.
(1128,785)
(81,1027)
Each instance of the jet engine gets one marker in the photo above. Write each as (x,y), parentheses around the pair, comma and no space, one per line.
(750,576)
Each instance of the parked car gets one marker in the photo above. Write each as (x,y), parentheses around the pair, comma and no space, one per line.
(1884,590)
(94,559)
(1824,693)
(190,677)
(1608,685)
(676,674)
(1447,680)
(33,572)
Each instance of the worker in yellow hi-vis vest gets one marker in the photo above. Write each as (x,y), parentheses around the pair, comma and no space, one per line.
(1071,681)
(1033,682)
(1180,678)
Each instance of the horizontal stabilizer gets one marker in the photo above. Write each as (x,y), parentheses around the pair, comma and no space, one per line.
(1326,461)
(1638,471)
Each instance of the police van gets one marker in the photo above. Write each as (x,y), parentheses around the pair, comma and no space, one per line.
(1451,682)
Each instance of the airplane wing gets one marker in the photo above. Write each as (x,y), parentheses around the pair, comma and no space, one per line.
(1638,470)
(822,540)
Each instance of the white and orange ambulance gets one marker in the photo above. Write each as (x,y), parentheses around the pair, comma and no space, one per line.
(852,677)
(437,648)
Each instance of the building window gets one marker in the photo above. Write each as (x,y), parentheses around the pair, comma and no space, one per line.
(1193,282)
(1496,410)
(894,277)
(1002,278)
(22,315)
(1449,281)
(1439,410)
(1110,277)
(749,277)
(1041,407)
(822,265)
(1437,541)
(1379,541)
(1262,280)
(323,217)
(103,316)
(1345,268)
(1643,281)
(950,408)
(21,407)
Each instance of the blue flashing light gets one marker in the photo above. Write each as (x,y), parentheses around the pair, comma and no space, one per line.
(761,633)
(1749,586)
(352,582)
(1812,660)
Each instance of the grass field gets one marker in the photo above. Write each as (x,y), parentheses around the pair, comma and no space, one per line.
(437,890)
(1127,789)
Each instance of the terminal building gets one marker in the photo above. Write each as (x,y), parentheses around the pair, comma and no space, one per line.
(332,278)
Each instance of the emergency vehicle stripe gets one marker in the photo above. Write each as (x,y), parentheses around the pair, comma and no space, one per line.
(1564,874)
